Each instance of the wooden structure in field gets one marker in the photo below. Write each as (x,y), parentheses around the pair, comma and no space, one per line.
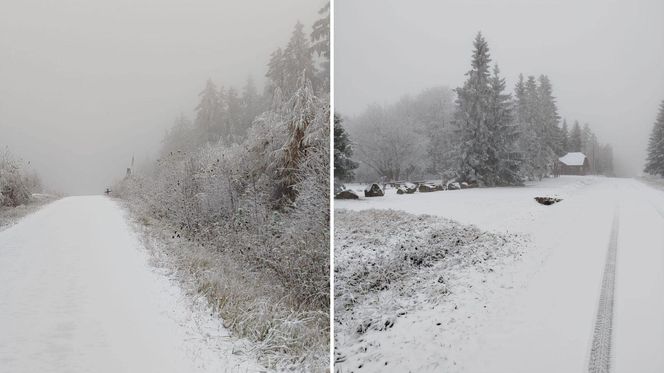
(575,163)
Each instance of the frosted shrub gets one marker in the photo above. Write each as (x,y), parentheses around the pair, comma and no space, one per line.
(15,185)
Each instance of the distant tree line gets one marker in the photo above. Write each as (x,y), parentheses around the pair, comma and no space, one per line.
(475,133)
(655,154)
(248,179)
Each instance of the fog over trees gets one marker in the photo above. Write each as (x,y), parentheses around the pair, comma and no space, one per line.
(87,85)
(599,61)
(487,137)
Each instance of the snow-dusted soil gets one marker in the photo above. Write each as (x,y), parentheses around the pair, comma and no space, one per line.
(537,313)
(78,295)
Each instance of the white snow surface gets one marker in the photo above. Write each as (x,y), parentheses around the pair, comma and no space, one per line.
(78,294)
(573,159)
(536,314)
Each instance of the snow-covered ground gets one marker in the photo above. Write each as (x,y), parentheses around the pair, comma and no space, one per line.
(78,295)
(537,313)
(11,215)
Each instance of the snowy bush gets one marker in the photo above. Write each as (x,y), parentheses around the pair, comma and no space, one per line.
(16,186)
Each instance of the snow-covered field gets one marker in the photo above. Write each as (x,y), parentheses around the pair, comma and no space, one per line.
(535,313)
(78,295)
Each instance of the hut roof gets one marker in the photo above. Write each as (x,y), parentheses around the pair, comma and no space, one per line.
(573,159)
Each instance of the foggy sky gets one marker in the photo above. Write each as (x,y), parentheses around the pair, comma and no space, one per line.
(84,85)
(604,58)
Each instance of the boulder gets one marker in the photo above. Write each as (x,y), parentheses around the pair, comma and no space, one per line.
(374,190)
(547,201)
(454,186)
(429,187)
(407,188)
(346,194)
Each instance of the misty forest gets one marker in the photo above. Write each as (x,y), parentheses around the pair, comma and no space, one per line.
(232,213)
(479,134)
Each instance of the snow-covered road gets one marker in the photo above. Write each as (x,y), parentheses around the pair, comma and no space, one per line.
(77,295)
(539,315)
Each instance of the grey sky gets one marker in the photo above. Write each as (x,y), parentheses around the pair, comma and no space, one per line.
(604,58)
(86,84)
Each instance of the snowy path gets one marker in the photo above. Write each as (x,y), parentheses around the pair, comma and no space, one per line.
(540,315)
(77,295)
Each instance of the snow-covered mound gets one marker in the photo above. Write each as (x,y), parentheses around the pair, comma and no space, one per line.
(390,265)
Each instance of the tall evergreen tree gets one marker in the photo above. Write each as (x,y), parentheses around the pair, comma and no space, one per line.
(343,151)
(575,138)
(473,151)
(320,38)
(565,137)
(208,114)
(655,156)
(549,118)
(286,67)
(504,133)
(485,144)
(236,128)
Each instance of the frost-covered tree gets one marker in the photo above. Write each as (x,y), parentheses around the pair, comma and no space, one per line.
(208,114)
(548,118)
(505,134)
(320,38)
(386,142)
(236,128)
(344,165)
(565,137)
(286,66)
(575,138)
(179,138)
(485,141)
(301,111)
(433,115)
(252,104)
(475,156)
(655,156)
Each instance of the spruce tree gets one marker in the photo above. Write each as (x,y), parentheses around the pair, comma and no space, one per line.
(504,134)
(575,138)
(473,152)
(208,114)
(655,156)
(344,166)
(320,38)
(565,137)
(486,136)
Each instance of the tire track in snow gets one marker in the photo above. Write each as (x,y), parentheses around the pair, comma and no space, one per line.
(600,352)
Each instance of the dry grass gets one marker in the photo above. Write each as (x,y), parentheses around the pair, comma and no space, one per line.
(253,306)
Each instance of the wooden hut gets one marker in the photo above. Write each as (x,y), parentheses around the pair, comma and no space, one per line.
(575,163)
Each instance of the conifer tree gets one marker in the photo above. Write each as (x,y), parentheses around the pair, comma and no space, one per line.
(208,114)
(320,38)
(473,152)
(504,134)
(343,151)
(285,67)
(655,156)
(485,136)
(575,138)
(565,137)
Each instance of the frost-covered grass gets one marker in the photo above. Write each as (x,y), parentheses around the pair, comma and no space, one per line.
(253,307)
(390,263)
(11,215)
